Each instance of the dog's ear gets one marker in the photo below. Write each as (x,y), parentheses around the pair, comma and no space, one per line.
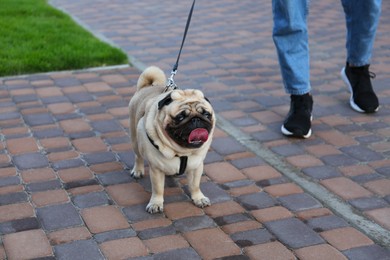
(207,100)
(165,101)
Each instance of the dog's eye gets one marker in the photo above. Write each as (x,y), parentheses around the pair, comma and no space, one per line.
(206,114)
(180,117)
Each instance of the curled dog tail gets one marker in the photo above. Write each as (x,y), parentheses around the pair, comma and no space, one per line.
(151,76)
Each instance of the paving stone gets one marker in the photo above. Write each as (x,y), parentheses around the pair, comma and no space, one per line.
(114,178)
(287,150)
(362,153)
(257,200)
(19,225)
(157,232)
(137,213)
(80,184)
(30,161)
(78,250)
(339,160)
(27,245)
(48,133)
(367,252)
(230,219)
(252,237)
(298,202)
(273,181)
(369,203)
(271,214)
(45,198)
(58,216)
(68,235)
(247,162)
(346,238)
(212,243)
(103,157)
(272,250)
(227,145)
(321,172)
(38,119)
(380,216)
(124,248)
(346,188)
(237,184)
(79,97)
(214,192)
(127,158)
(114,235)
(178,254)
(193,223)
(326,223)
(7,181)
(65,164)
(294,233)
(320,252)
(361,179)
(43,186)
(223,172)
(91,200)
(166,243)
(106,126)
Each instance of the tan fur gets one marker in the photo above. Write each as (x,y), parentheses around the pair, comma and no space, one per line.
(146,119)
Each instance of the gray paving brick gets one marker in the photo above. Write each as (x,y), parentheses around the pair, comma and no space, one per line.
(178,254)
(65,164)
(368,252)
(106,126)
(252,237)
(114,178)
(230,219)
(11,198)
(269,182)
(362,153)
(214,192)
(227,145)
(81,183)
(247,162)
(294,233)
(288,150)
(127,158)
(368,203)
(236,184)
(91,199)
(7,181)
(194,223)
(43,186)
(322,172)
(19,225)
(326,223)
(137,213)
(114,234)
(58,216)
(339,160)
(48,133)
(257,200)
(38,119)
(9,115)
(78,250)
(80,97)
(367,177)
(96,158)
(301,201)
(30,161)
(157,232)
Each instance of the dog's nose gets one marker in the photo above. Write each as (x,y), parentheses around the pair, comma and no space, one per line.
(195,120)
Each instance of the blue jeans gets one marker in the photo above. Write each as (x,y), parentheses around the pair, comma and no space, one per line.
(291,38)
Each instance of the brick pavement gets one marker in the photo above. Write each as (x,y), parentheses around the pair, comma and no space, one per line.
(65,187)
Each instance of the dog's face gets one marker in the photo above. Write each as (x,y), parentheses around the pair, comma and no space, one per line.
(186,117)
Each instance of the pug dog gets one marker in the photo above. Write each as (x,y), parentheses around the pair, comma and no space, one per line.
(172,129)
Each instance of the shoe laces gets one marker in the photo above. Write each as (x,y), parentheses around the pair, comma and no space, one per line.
(362,78)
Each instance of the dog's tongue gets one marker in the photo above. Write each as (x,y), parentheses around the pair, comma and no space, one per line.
(198,135)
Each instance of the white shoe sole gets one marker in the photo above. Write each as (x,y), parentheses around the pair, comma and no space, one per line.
(351,101)
(288,133)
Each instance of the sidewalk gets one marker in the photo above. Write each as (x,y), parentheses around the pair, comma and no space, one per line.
(65,154)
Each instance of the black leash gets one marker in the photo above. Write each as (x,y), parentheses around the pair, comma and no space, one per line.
(171,82)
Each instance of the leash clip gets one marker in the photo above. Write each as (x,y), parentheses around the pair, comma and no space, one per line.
(171,85)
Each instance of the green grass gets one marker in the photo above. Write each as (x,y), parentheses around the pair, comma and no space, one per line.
(35,37)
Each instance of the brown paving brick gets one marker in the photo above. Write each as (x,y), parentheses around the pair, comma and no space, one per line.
(68,235)
(85,189)
(244,190)
(151,223)
(224,209)
(4,159)
(89,145)
(345,188)
(212,243)
(222,172)
(37,110)
(16,211)
(380,187)
(334,120)
(237,156)
(74,126)
(6,172)
(355,170)
(15,131)
(2,253)
(304,160)
(59,156)
(37,175)
(104,218)
(272,250)
(100,117)
(114,78)
(55,142)
(267,116)
(27,245)
(97,87)
(75,174)
(319,252)
(121,147)
(313,213)
(49,92)
(166,243)
(336,138)
(11,189)
(346,238)
(124,248)
(262,172)
(271,214)
(381,216)
(44,198)
(322,150)
(128,194)
(119,111)
(178,210)
(22,145)
(283,189)
(241,226)
(106,167)
(61,108)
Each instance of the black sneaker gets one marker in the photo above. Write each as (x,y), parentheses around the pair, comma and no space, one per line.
(358,80)
(298,121)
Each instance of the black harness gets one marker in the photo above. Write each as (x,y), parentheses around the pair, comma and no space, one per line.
(183,159)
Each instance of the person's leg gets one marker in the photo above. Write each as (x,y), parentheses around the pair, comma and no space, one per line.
(362,17)
(291,41)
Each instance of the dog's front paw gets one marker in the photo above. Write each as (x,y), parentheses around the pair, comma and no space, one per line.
(202,202)
(137,173)
(153,208)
